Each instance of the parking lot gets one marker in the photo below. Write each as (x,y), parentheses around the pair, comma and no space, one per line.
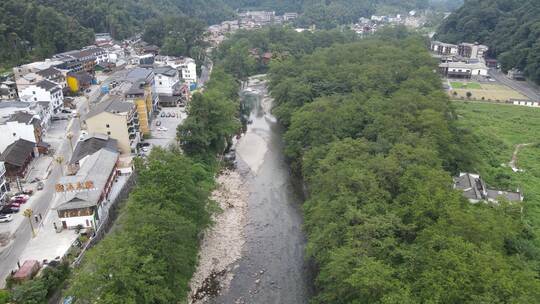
(164,126)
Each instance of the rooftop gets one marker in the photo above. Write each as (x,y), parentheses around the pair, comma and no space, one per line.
(97,169)
(48,85)
(17,153)
(112,105)
(91,145)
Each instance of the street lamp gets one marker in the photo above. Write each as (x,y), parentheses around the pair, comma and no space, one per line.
(69,136)
(28,213)
(60,160)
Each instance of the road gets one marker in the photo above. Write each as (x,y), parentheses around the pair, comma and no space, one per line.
(43,199)
(522,87)
(206,70)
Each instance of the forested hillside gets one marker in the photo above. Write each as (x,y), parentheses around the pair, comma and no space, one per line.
(375,139)
(38,28)
(511,28)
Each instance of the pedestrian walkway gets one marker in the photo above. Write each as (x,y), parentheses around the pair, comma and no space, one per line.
(49,244)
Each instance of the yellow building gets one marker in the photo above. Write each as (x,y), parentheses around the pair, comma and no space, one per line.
(119,120)
(141,95)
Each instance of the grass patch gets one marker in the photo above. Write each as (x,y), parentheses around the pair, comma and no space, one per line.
(484,91)
(466,85)
(497,129)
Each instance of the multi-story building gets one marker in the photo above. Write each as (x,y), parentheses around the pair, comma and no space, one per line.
(44,91)
(185,65)
(19,125)
(84,196)
(82,60)
(442,48)
(472,50)
(20,71)
(8,90)
(167,80)
(170,89)
(4,187)
(117,119)
(53,74)
(142,93)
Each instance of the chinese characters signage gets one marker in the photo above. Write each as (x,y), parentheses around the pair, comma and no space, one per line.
(78,186)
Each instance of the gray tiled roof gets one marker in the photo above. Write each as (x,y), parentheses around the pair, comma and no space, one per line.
(112,106)
(166,70)
(17,153)
(48,85)
(96,168)
(51,71)
(21,117)
(91,145)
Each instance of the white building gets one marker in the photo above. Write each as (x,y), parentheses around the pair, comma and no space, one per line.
(185,65)
(442,48)
(3,184)
(44,91)
(8,90)
(19,125)
(167,80)
(84,197)
(463,69)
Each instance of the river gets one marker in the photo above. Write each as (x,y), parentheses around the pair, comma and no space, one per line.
(270,267)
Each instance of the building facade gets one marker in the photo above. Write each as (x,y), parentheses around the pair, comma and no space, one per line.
(44,91)
(117,119)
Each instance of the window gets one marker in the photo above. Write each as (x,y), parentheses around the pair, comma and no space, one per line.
(160,83)
(14,134)
(35,99)
(108,126)
(108,132)
(34,92)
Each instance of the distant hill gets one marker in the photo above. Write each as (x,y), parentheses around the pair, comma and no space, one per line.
(38,28)
(511,28)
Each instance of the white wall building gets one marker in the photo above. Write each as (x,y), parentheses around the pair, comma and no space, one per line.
(185,65)
(19,125)
(44,91)
(167,80)
(3,184)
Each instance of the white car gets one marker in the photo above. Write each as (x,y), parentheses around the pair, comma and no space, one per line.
(4,218)
(162,129)
(145,149)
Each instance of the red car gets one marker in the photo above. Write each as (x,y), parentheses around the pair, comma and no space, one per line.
(21,199)
(14,204)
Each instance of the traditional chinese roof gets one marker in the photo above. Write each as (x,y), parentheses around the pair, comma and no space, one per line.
(86,187)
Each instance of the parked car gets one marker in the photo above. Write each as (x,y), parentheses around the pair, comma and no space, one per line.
(21,196)
(9,210)
(162,129)
(162,114)
(145,149)
(158,123)
(40,185)
(14,204)
(4,218)
(28,191)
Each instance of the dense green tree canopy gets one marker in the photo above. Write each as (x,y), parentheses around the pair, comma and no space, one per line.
(511,28)
(151,257)
(374,137)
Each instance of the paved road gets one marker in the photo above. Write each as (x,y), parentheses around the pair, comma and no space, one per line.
(521,86)
(10,255)
(206,70)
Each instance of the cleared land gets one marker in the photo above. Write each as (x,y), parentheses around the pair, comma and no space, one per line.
(497,129)
(484,91)
(466,85)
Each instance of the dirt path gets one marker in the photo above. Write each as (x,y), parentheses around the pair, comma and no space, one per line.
(513,162)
